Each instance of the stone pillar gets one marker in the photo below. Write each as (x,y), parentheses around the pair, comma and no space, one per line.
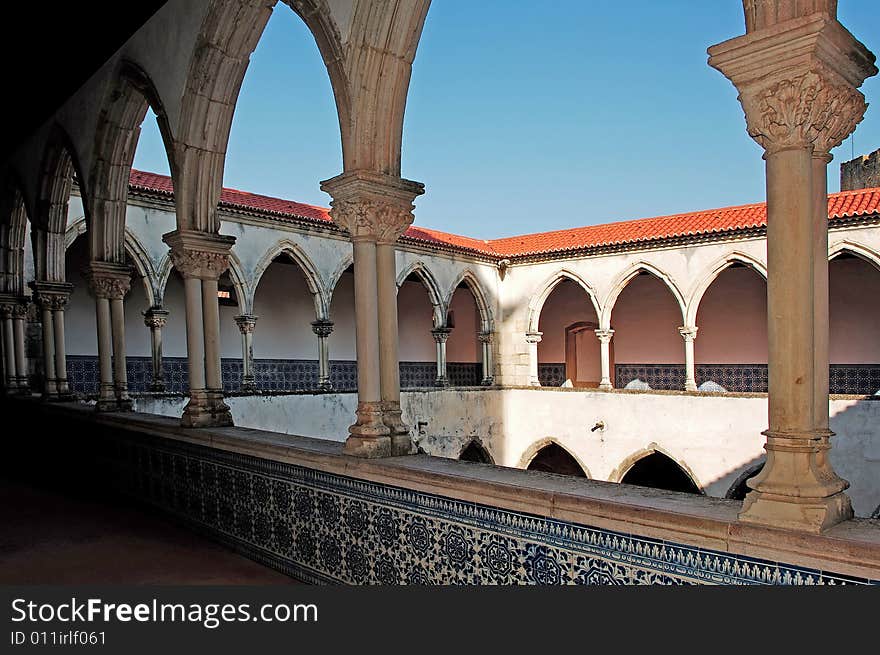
(440,335)
(322,329)
(375,209)
(155,318)
(533,339)
(605,357)
(485,339)
(108,283)
(201,258)
(689,334)
(797,80)
(10,379)
(52,297)
(19,317)
(246,324)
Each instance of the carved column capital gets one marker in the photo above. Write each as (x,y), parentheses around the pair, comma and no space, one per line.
(53,296)
(155,317)
(534,337)
(604,335)
(372,205)
(688,333)
(798,81)
(322,328)
(484,337)
(7,309)
(108,280)
(246,323)
(199,254)
(20,309)
(441,334)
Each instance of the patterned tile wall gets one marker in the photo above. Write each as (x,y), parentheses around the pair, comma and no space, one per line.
(324,528)
(551,374)
(269,374)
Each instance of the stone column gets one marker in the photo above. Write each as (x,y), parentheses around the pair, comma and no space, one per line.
(108,283)
(689,334)
(797,80)
(375,209)
(201,258)
(19,317)
(440,335)
(605,357)
(10,379)
(485,339)
(52,298)
(155,318)
(322,329)
(533,339)
(246,324)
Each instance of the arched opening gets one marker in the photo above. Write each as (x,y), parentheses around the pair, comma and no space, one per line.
(415,319)
(553,458)
(474,452)
(648,347)
(854,315)
(463,350)
(731,344)
(174,361)
(568,353)
(284,344)
(343,350)
(658,471)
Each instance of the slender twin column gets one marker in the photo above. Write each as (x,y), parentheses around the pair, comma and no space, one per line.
(108,283)
(485,339)
(689,334)
(19,320)
(10,378)
(52,298)
(441,335)
(533,339)
(798,84)
(376,209)
(201,258)
(322,329)
(155,318)
(605,336)
(246,324)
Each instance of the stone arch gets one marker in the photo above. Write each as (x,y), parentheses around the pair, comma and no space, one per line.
(229,34)
(420,270)
(718,267)
(625,278)
(532,451)
(855,249)
(474,450)
(129,96)
(536,304)
(334,278)
(59,164)
(653,449)
(308,269)
(470,279)
(14,219)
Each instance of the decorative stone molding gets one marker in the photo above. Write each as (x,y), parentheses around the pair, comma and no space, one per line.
(199,254)
(322,328)
(108,280)
(20,309)
(155,318)
(246,323)
(7,309)
(689,334)
(441,334)
(798,81)
(604,335)
(484,337)
(53,296)
(372,205)
(534,337)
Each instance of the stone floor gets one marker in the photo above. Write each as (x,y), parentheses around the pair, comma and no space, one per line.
(49,536)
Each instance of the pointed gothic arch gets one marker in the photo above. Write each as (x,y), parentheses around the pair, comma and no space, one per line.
(306,267)
(626,277)
(717,268)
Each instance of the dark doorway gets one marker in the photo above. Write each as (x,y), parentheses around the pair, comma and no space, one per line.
(474,452)
(660,472)
(555,459)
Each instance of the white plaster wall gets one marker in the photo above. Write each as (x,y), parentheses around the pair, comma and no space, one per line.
(567,304)
(645,320)
(414,324)
(174,333)
(462,345)
(732,320)
(286,310)
(342,339)
(717,438)
(855,312)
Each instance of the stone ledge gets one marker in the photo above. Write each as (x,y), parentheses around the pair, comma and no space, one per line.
(851,548)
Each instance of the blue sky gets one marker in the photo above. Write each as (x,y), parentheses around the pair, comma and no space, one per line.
(522,119)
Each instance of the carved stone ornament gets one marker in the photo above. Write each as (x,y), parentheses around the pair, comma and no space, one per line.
(155,318)
(202,264)
(604,335)
(20,310)
(322,329)
(484,337)
(6,310)
(688,333)
(246,323)
(441,334)
(52,300)
(805,110)
(112,287)
(372,217)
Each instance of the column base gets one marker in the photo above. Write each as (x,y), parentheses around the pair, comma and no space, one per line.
(206,410)
(690,386)
(605,386)
(368,447)
(487,382)
(106,405)
(401,442)
(441,382)
(805,514)
(157,387)
(325,386)
(248,386)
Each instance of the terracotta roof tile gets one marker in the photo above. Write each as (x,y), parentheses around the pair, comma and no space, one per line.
(846,204)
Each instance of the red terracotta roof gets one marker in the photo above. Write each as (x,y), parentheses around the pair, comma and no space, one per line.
(846,204)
